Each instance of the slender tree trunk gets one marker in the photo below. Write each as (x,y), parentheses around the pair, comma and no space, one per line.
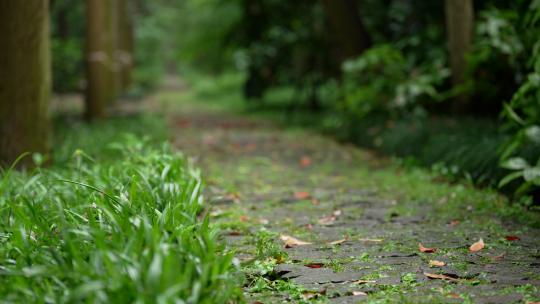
(347,26)
(25,79)
(460,27)
(99,72)
(124,51)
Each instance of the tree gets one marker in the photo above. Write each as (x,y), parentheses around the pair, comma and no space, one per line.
(25,79)
(124,50)
(100,84)
(459,27)
(346,23)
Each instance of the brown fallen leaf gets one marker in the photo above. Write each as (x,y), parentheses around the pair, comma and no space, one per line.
(454,223)
(363,282)
(234,233)
(477,246)
(371,240)
(440,277)
(425,249)
(292,242)
(307,295)
(338,242)
(512,238)
(498,257)
(435,263)
(305,161)
(327,220)
(359,293)
(314,265)
(454,295)
(302,195)
(244,218)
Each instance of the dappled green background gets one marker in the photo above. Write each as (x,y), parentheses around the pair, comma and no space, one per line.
(395,97)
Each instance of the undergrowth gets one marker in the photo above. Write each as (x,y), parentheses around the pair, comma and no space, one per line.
(115,219)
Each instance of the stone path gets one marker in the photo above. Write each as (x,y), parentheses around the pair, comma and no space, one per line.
(263,182)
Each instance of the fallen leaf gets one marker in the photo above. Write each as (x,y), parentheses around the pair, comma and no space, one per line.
(498,257)
(338,242)
(305,161)
(454,223)
(363,282)
(327,220)
(477,246)
(244,218)
(263,221)
(302,195)
(512,238)
(454,295)
(251,147)
(292,242)
(307,295)
(309,226)
(435,263)
(234,196)
(426,250)
(440,277)
(234,233)
(314,265)
(371,240)
(359,293)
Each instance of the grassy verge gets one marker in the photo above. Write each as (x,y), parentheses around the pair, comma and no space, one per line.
(113,220)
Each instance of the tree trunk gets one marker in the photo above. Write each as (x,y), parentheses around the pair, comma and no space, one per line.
(347,26)
(99,90)
(459,26)
(25,79)
(124,50)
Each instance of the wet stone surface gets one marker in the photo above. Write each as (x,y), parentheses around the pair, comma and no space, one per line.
(255,177)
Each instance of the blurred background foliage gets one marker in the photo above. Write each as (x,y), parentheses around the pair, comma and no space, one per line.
(395,95)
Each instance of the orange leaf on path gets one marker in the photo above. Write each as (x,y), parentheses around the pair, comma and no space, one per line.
(512,238)
(426,250)
(244,218)
(435,263)
(305,161)
(302,195)
(440,277)
(314,265)
(292,242)
(477,246)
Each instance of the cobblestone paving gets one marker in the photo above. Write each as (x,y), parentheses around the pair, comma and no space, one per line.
(299,184)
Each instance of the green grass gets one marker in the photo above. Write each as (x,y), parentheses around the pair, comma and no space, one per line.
(115,219)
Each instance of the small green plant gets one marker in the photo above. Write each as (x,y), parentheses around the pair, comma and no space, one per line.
(266,247)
